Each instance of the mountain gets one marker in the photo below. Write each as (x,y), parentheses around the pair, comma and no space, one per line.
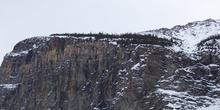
(177,68)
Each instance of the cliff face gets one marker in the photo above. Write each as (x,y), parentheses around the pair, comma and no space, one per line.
(84,74)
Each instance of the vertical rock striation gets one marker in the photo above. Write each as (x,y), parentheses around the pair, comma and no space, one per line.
(52,73)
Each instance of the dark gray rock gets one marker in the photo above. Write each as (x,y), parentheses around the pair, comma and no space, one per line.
(75,74)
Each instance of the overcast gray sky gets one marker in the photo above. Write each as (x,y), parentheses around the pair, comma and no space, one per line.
(21,19)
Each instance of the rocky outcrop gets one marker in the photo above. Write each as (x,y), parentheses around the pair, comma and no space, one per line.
(52,73)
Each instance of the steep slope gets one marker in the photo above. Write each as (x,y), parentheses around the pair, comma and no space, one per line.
(69,72)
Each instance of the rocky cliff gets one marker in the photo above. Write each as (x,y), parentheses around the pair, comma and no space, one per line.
(83,73)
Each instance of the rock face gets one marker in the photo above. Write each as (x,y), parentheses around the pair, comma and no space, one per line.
(52,73)
(63,72)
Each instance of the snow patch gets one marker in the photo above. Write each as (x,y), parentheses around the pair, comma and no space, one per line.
(212,65)
(215,106)
(113,43)
(177,100)
(120,94)
(136,67)
(34,46)
(13,77)
(14,54)
(171,92)
(9,86)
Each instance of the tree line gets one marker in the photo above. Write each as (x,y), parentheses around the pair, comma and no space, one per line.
(125,39)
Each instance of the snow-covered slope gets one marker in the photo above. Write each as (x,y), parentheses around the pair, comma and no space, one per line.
(190,34)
